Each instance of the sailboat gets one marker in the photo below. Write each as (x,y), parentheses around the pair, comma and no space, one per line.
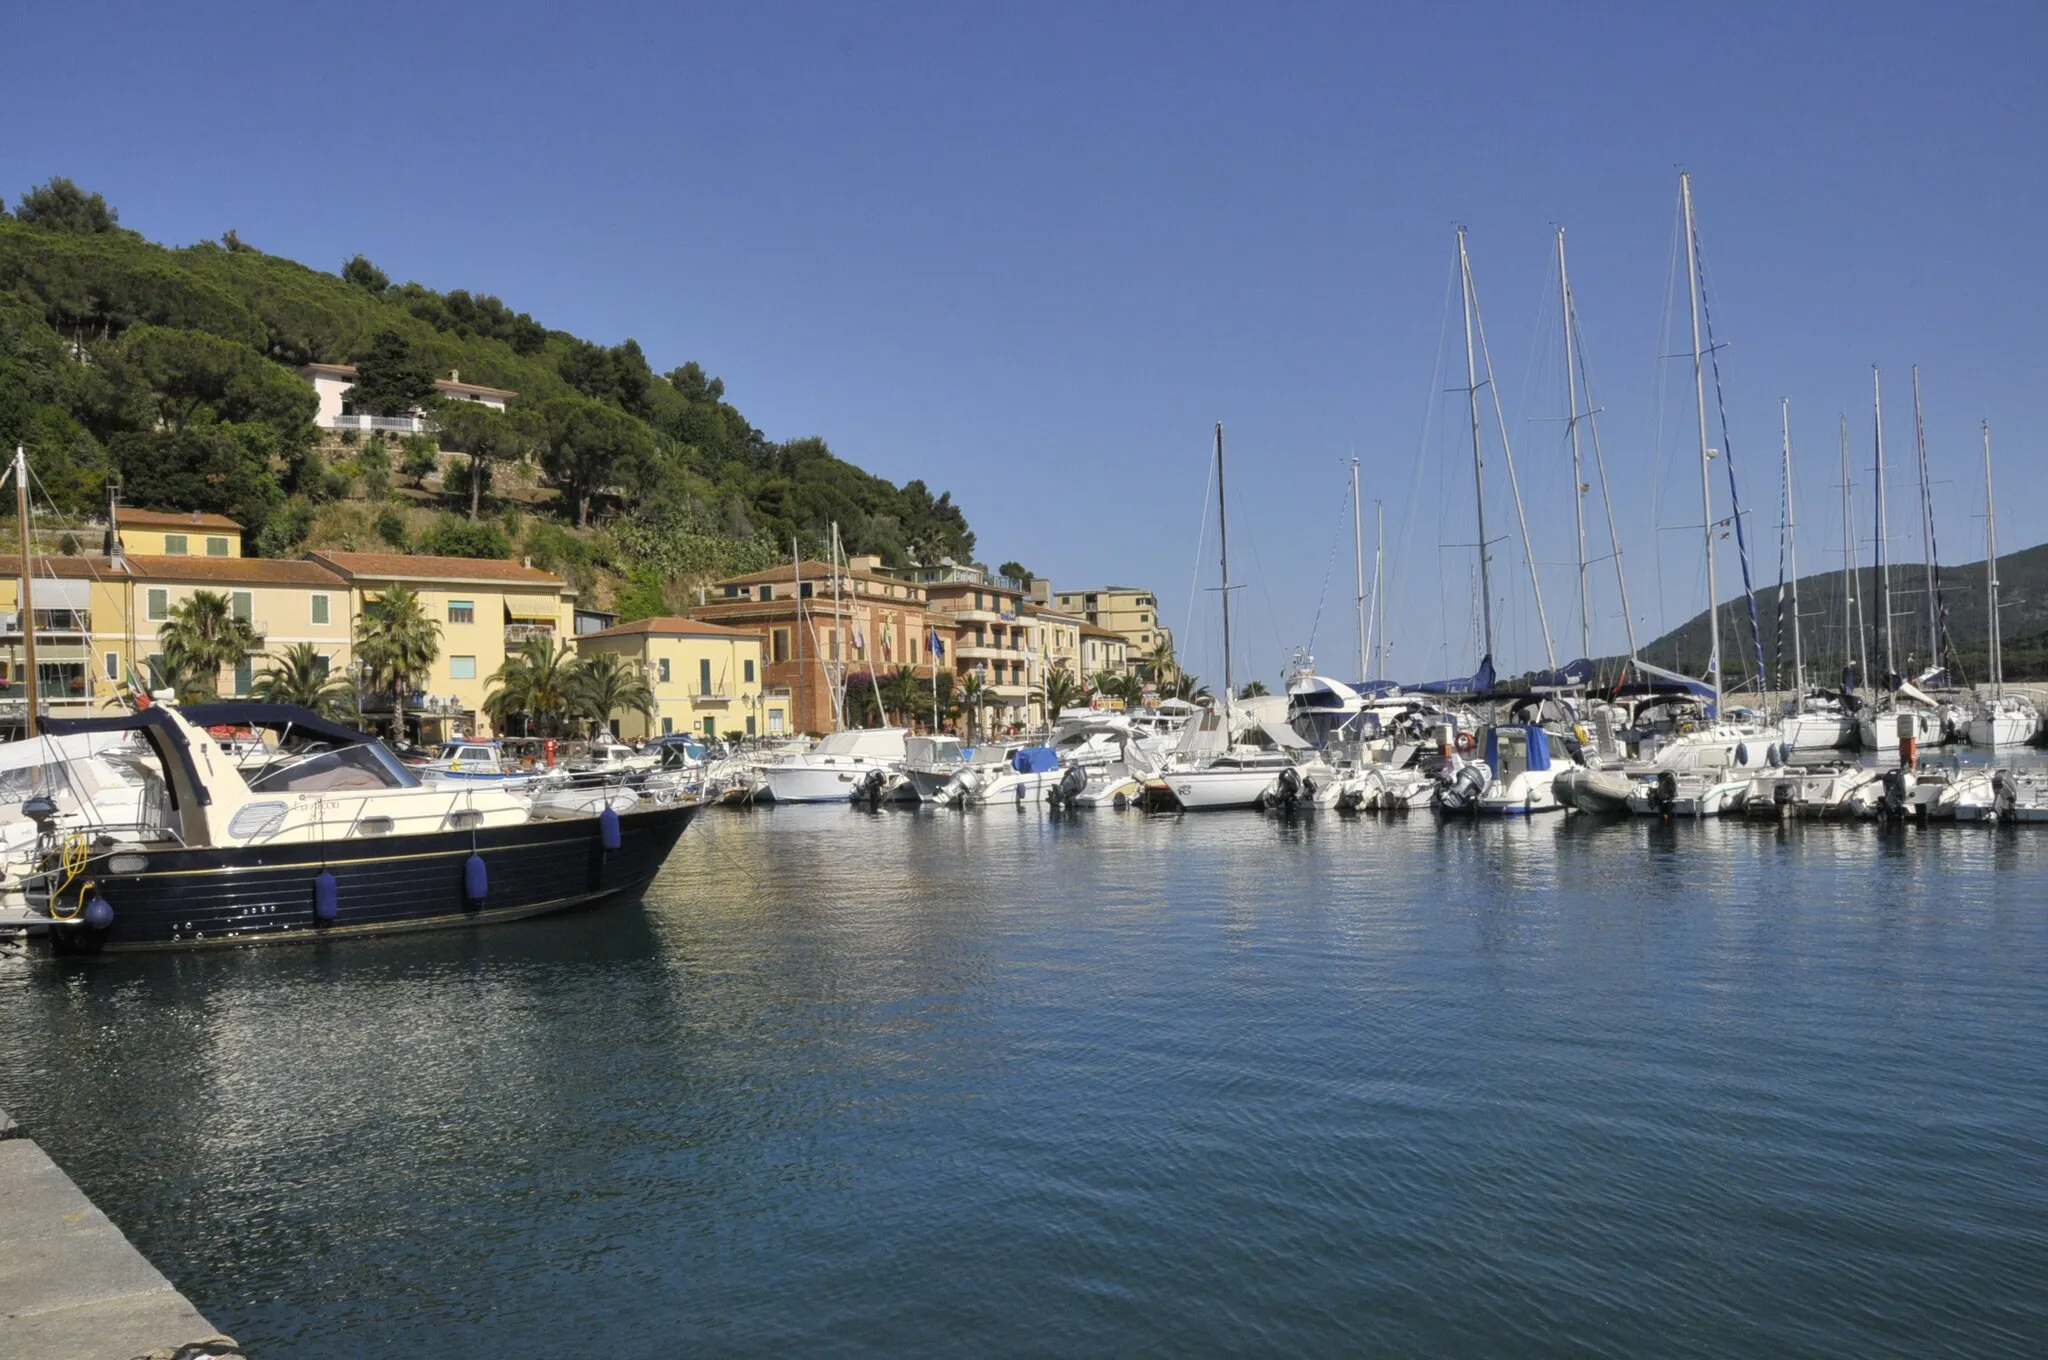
(1811,721)
(2000,719)
(1877,730)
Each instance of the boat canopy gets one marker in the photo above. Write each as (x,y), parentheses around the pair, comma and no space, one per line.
(879,743)
(1321,692)
(1034,760)
(1656,678)
(160,729)
(272,717)
(1479,682)
(1572,675)
(1538,748)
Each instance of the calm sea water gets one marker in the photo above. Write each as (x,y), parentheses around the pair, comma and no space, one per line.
(993,1083)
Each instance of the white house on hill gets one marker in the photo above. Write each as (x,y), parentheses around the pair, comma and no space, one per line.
(331,383)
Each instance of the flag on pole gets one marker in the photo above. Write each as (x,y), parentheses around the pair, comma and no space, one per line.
(938,647)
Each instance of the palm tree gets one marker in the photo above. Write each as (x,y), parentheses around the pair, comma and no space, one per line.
(203,635)
(1253,689)
(971,690)
(536,684)
(1188,687)
(1162,664)
(397,643)
(604,684)
(1128,688)
(902,694)
(1061,691)
(301,677)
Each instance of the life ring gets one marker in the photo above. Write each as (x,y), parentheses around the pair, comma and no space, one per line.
(1467,743)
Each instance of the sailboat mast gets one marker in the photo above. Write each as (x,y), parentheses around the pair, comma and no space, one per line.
(1571,392)
(1358,556)
(1478,461)
(1792,559)
(1855,639)
(1223,547)
(1378,629)
(1992,639)
(28,608)
(1927,530)
(1884,555)
(1576,340)
(1699,392)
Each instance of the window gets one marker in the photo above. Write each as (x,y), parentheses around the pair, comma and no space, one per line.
(159,604)
(767,593)
(749,671)
(321,665)
(668,725)
(216,546)
(113,665)
(733,592)
(462,611)
(711,728)
(175,545)
(779,644)
(750,724)
(704,675)
(775,721)
(320,609)
(806,591)
(244,605)
(661,667)
(156,668)
(245,676)
(462,668)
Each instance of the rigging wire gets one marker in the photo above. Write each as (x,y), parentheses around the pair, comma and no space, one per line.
(1328,567)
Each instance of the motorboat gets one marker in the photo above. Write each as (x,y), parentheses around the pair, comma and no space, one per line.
(1807,791)
(1598,791)
(1701,792)
(333,838)
(607,755)
(870,757)
(931,762)
(469,762)
(1514,777)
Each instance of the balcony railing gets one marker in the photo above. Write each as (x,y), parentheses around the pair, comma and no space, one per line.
(516,633)
(378,424)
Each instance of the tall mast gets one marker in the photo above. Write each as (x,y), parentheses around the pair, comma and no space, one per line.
(1995,642)
(1884,556)
(1576,342)
(28,608)
(1358,555)
(1377,630)
(1223,546)
(1571,391)
(1927,531)
(796,579)
(1699,392)
(1855,639)
(1792,558)
(1478,462)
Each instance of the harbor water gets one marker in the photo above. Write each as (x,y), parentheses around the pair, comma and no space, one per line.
(899,1083)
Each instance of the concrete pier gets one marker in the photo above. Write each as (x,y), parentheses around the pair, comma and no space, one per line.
(71,1286)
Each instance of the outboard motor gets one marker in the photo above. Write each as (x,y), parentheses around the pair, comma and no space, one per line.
(1286,794)
(1063,794)
(1898,793)
(1460,793)
(1664,794)
(2003,795)
(868,788)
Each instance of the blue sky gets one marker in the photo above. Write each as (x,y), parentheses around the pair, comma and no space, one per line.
(1032,254)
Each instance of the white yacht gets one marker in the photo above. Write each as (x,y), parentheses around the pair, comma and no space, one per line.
(828,772)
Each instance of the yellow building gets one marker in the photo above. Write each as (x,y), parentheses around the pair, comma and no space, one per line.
(484,609)
(162,533)
(285,602)
(79,602)
(1103,649)
(1124,610)
(706,678)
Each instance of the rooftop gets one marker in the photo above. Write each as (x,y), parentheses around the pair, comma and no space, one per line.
(812,571)
(175,519)
(253,571)
(452,383)
(670,626)
(407,567)
(94,568)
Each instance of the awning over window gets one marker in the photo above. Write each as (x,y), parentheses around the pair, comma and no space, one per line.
(527,611)
(54,594)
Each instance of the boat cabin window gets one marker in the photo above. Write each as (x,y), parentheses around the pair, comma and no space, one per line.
(349,768)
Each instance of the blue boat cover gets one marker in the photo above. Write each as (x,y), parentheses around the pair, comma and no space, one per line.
(1479,682)
(1034,760)
(1539,746)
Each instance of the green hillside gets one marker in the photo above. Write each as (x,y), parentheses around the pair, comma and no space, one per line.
(171,370)
(2023,610)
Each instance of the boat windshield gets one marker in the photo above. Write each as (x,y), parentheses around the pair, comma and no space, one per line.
(367,766)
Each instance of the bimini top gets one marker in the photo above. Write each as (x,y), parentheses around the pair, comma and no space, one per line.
(1539,745)
(169,736)
(303,721)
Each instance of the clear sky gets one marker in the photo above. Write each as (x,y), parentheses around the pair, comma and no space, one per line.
(1033,253)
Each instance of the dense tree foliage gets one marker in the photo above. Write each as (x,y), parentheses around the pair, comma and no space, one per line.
(173,369)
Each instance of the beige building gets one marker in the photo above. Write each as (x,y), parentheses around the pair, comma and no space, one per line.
(1125,610)
(706,679)
(485,610)
(1103,650)
(331,384)
(286,603)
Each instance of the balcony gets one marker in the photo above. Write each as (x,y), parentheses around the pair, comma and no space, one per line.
(49,622)
(519,634)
